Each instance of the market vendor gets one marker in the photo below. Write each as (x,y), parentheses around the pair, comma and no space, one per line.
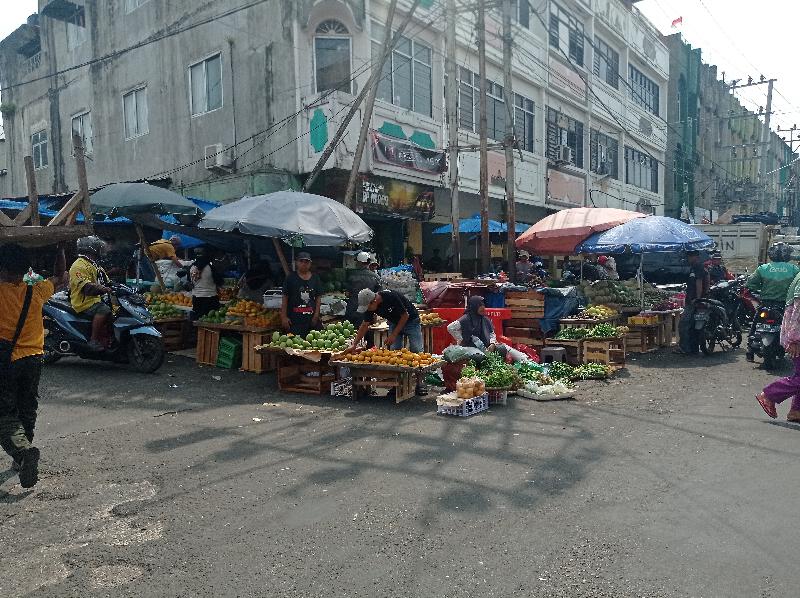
(524,266)
(474,326)
(609,266)
(255,282)
(164,249)
(206,280)
(402,317)
(302,297)
(357,280)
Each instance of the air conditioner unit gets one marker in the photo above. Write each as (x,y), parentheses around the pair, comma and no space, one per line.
(565,154)
(218,157)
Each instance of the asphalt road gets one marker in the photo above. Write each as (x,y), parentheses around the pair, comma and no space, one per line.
(668,481)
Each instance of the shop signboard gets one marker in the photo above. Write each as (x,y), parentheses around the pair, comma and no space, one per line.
(390,197)
(404,154)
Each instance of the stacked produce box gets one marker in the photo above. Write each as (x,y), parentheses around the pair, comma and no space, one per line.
(527,308)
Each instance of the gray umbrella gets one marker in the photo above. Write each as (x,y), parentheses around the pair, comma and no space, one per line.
(300,219)
(130,199)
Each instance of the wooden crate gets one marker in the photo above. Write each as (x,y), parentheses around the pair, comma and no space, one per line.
(668,329)
(404,383)
(176,333)
(642,338)
(293,375)
(585,322)
(255,362)
(574,349)
(525,305)
(207,346)
(525,336)
(610,352)
(530,323)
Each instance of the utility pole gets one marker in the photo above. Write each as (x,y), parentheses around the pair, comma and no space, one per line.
(483,132)
(452,125)
(762,162)
(366,119)
(792,139)
(509,142)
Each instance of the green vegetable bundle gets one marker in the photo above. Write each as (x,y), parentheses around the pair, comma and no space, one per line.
(560,371)
(529,371)
(603,331)
(591,371)
(571,334)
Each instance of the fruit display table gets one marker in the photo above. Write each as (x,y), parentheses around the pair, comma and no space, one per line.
(401,378)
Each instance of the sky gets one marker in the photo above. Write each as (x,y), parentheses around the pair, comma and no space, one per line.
(743,37)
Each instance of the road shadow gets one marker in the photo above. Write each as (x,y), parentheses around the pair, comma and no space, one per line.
(665,359)
(788,425)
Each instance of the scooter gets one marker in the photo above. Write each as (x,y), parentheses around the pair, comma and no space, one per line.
(765,340)
(713,324)
(135,341)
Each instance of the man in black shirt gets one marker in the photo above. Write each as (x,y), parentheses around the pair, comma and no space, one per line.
(697,283)
(302,295)
(403,319)
(398,311)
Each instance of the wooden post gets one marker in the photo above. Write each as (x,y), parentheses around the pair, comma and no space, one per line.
(281,255)
(33,194)
(83,184)
(146,252)
(486,248)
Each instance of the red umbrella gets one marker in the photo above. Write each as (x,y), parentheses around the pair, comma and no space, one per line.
(559,233)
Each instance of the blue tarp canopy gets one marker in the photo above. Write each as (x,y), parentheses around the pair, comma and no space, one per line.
(188,242)
(653,234)
(473,225)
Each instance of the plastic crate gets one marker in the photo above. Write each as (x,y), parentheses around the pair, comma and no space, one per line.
(229,355)
(497,397)
(467,408)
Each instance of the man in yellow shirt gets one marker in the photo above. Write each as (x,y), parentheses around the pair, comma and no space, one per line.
(19,389)
(87,284)
(165,250)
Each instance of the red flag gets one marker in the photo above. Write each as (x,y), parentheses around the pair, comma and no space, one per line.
(676,22)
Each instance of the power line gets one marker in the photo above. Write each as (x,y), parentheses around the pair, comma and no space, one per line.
(142,44)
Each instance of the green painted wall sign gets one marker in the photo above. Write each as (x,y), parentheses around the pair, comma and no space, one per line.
(318,130)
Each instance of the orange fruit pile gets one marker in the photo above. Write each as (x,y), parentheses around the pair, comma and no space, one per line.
(401,358)
(246,309)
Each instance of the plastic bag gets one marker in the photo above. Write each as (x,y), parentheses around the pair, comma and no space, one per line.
(455,353)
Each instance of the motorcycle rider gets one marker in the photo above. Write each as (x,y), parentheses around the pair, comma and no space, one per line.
(772,280)
(717,270)
(697,284)
(87,283)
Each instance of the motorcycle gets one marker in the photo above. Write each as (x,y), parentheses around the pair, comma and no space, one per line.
(135,341)
(765,339)
(716,318)
(749,304)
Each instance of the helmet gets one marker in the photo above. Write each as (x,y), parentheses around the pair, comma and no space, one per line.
(538,265)
(716,255)
(92,245)
(780,252)
(363,257)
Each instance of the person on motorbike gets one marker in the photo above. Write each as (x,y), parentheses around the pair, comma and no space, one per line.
(87,284)
(697,284)
(717,270)
(771,281)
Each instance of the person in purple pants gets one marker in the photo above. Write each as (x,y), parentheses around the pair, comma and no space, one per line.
(787,387)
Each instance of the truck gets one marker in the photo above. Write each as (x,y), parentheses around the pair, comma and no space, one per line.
(743,246)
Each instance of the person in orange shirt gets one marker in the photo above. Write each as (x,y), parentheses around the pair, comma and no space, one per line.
(24,337)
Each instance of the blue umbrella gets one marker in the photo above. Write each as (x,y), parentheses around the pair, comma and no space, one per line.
(653,234)
(473,225)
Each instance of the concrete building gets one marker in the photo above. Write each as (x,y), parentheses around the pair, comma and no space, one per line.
(715,146)
(5,180)
(225,102)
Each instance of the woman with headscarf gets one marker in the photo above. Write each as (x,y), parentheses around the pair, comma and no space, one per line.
(206,281)
(474,326)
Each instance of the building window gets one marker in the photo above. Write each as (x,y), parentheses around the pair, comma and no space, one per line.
(76,30)
(566,33)
(523,13)
(467,99)
(606,63)
(82,126)
(604,154)
(332,57)
(407,76)
(39,149)
(134,105)
(644,91)
(524,122)
(563,131)
(496,112)
(131,5)
(641,170)
(206,85)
